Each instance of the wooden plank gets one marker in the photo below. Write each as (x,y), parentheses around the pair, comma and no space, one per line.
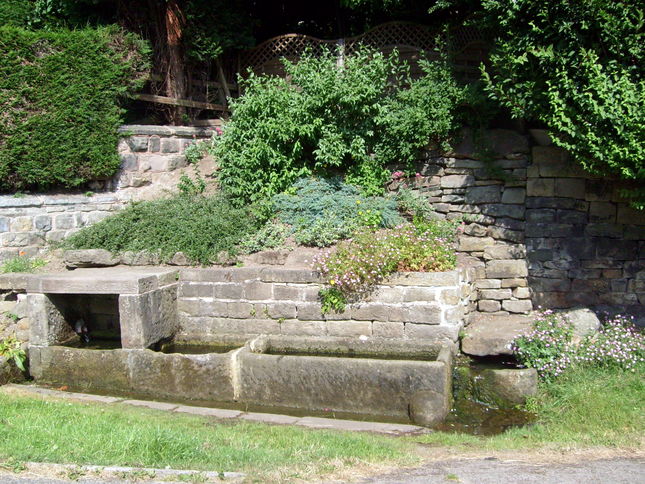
(177,102)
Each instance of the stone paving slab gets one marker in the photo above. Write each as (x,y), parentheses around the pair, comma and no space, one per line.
(106,280)
(220,413)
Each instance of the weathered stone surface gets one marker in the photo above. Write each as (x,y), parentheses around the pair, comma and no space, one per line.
(507,388)
(522,306)
(584,321)
(540,187)
(148,318)
(486,194)
(475,244)
(492,335)
(137,143)
(457,181)
(428,408)
(489,306)
(514,195)
(496,294)
(9,372)
(365,386)
(504,251)
(89,258)
(506,269)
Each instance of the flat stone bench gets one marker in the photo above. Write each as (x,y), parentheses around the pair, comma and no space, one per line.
(144,303)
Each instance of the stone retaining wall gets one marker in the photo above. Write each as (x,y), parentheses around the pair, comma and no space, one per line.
(152,163)
(546,232)
(251,301)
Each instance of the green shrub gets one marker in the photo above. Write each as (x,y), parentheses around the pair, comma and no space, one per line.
(355,266)
(323,211)
(198,226)
(327,119)
(577,67)
(59,94)
(272,235)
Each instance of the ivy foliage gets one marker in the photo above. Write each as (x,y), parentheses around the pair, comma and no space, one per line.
(59,94)
(329,118)
(577,67)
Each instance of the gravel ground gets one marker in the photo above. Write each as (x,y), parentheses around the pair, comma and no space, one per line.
(496,471)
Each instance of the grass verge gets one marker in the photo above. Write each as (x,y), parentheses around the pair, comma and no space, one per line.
(63,432)
(591,407)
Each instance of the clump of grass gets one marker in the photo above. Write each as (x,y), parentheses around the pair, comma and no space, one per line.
(57,431)
(200,227)
(584,407)
(22,263)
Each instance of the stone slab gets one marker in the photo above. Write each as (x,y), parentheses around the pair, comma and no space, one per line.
(220,413)
(117,280)
(359,426)
(491,335)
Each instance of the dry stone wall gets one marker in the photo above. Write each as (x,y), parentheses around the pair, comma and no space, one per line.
(152,162)
(546,232)
(491,197)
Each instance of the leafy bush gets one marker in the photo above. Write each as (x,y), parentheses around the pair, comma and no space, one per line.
(328,119)
(550,347)
(59,95)
(578,68)
(198,226)
(355,266)
(413,204)
(323,211)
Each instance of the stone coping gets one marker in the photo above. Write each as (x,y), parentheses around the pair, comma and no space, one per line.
(110,280)
(148,130)
(55,199)
(304,276)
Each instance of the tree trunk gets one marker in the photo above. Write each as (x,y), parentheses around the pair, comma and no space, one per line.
(175,79)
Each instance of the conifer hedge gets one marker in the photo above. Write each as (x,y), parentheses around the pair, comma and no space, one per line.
(59,103)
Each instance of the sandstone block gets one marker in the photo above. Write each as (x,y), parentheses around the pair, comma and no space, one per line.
(485,194)
(90,258)
(540,187)
(500,269)
(520,306)
(137,143)
(570,187)
(514,195)
(475,244)
(496,294)
(488,306)
(457,181)
(349,328)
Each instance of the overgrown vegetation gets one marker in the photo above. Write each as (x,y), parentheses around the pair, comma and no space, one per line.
(327,119)
(200,227)
(577,67)
(59,94)
(355,266)
(586,407)
(21,263)
(552,349)
(56,431)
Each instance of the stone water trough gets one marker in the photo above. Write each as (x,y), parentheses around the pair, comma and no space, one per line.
(135,313)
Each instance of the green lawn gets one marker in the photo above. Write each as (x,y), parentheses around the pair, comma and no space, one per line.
(57,431)
(590,408)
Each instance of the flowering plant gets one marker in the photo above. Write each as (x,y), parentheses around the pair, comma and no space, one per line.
(356,265)
(550,348)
